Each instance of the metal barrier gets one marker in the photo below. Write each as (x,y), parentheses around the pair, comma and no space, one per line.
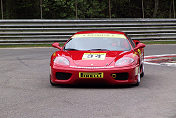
(47,31)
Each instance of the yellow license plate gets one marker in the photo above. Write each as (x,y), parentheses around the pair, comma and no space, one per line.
(90,75)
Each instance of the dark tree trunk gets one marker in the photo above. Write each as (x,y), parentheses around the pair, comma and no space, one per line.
(174,8)
(155,8)
(170,10)
(109,8)
(2,10)
(143,9)
(76,9)
(41,9)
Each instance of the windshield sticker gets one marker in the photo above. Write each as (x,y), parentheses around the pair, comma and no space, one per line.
(100,35)
(94,56)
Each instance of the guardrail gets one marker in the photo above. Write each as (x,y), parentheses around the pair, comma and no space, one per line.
(47,31)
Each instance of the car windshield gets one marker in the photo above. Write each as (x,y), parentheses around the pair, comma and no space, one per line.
(98,43)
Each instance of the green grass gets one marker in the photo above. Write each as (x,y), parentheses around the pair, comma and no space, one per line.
(49,45)
(159,42)
(26,45)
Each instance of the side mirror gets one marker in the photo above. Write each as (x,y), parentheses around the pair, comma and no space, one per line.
(56,45)
(139,45)
(136,42)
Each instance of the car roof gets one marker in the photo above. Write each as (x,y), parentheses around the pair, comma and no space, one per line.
(100,31)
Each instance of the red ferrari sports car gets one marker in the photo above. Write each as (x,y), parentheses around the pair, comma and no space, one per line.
(98,56)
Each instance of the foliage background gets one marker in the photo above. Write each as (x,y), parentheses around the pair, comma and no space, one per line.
(66,9)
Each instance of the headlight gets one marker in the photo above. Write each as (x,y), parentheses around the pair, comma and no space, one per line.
(61,61)
(124,61)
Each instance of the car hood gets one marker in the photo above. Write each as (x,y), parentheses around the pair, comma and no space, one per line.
(94,58)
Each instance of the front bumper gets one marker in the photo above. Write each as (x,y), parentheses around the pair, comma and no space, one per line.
(107,72)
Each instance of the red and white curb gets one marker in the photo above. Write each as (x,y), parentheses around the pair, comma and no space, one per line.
(163,60)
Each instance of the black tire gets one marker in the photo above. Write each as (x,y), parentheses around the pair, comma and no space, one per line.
(137,84)
(53,84)
(142,74)
(139,79)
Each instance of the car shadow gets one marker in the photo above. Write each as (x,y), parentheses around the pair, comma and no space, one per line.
(95,86)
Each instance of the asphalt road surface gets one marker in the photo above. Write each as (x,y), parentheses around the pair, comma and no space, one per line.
(25,91)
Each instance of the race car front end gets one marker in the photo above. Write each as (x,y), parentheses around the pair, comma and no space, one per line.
(109,74)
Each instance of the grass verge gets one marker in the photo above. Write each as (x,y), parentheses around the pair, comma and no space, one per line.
(27,45)
(159,42)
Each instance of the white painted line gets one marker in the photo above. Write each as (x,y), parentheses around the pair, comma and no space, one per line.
(169,64)
(161,64)
(151,63)
(160,55)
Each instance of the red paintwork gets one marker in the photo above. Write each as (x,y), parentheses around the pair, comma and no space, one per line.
(75,58)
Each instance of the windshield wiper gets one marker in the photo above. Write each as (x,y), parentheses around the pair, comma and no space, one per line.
(100,49)
(71,49)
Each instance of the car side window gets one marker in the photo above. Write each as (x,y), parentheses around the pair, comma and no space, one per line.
(131,41)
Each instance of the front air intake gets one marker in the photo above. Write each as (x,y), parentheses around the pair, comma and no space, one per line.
(63,76)
(120,76)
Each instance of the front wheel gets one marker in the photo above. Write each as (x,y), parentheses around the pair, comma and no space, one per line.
(53,84)
(142,70)
(138,79)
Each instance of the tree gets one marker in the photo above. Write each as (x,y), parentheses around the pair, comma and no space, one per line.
(155,8)
(9,9)
(59,9)
(126,9)
(174,8)
(41,9)
(76,8)
(2,11)
(71,9)
(27,9)
(143,9)
(109,8)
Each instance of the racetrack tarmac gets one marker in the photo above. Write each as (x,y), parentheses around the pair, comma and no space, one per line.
(25,91)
